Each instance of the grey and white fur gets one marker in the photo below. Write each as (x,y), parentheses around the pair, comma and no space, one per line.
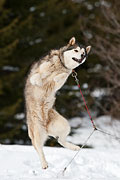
(45,78)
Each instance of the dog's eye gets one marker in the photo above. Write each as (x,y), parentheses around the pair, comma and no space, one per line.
(76,50)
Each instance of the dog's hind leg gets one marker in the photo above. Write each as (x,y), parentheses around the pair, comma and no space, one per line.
(59,128)
(38,137)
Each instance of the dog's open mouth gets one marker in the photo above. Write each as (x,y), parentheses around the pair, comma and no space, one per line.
(78,60)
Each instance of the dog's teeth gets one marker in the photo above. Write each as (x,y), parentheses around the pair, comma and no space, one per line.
(77,60)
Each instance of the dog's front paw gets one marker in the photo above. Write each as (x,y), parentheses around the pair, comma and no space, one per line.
(36,79)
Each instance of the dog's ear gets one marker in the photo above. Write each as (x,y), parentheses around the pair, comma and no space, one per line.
(72,41)
(88,48)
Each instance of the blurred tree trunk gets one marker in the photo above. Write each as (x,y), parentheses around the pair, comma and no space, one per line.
(107,47)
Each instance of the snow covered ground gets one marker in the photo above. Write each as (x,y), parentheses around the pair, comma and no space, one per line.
(98,140)
(102,162)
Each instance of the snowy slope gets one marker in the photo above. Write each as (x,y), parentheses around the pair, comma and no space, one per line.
(98,140)
(102,162)
(22,163)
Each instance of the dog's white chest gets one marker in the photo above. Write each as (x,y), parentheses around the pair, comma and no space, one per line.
(60,80)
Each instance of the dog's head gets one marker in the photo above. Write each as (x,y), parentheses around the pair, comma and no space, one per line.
(74,55)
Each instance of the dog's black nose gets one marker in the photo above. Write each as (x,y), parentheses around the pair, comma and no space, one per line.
(82,56)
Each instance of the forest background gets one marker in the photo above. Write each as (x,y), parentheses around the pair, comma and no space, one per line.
(29,29)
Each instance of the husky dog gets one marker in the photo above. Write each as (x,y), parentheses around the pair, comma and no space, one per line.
(45,78)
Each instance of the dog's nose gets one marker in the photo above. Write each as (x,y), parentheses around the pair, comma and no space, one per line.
(82,55)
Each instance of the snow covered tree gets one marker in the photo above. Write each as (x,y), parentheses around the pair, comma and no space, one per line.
(107,45)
